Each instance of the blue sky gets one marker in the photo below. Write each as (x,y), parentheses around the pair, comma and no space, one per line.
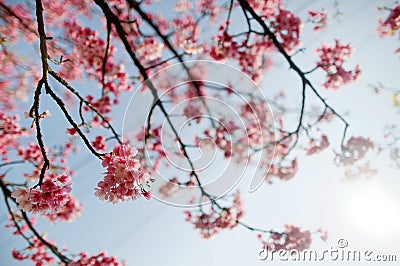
(364,212)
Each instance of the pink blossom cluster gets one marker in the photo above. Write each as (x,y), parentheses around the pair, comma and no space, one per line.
(88,53)
(102,105)
(260,125)
(124,178)
(68,10)
(390,25)
(7,68)
(331,61)
(100,143)
(97,260)
(182,6)
(12,22)
(10,133)
(87,57)
(354,150)
(31,153)
(154,145)
(253,60)
(193,111)
(283,172)
(222,137)
(52,196)
(268,8)
(150,49)
(57,156)
(187,33)
(287,27)
(210,8)
(293,238)
(282,167)
(319,19)
(91,50)
(23,227)
(250,52)
(211,223)
(363,170)
(38,253)
(249,56)
(68,212)
(317,146)
(170,188)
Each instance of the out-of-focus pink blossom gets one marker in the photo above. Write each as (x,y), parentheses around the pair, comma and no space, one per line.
(319,19)
(331,61)
(211,223)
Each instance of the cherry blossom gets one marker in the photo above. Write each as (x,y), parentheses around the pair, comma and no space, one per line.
(193,111)
(267,8)
(331,61)
(68,212)
(10,132)
(354,150)
(100,143)
(96,260)
(150,50)
(211,223)
(293,238)
(124,179)
(287,29)
(88,54)
(52,196)
(317,146)
(38,253)
(390,25)
(319,19)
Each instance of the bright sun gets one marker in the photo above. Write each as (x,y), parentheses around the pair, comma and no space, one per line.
(375,210)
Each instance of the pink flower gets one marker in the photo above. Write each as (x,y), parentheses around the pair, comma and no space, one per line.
(193,111)
(71,131)
(124,179)
(150,49)
(287,29)
(50,198)
(284,173)
(21,195)
(211,223)
(293,238)
(97,260)
(354,150)
(318,146)
(319,19)
(324,234)
(100,143)
(331,61)
(67,213)
(391,24)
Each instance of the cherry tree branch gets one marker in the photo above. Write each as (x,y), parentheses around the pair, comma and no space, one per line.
(7,194)
(83,100)
(112,18)
(246,7)
(34,112)
(104,65)
(53,248)
(166,41)
(61,104)
(10,12)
